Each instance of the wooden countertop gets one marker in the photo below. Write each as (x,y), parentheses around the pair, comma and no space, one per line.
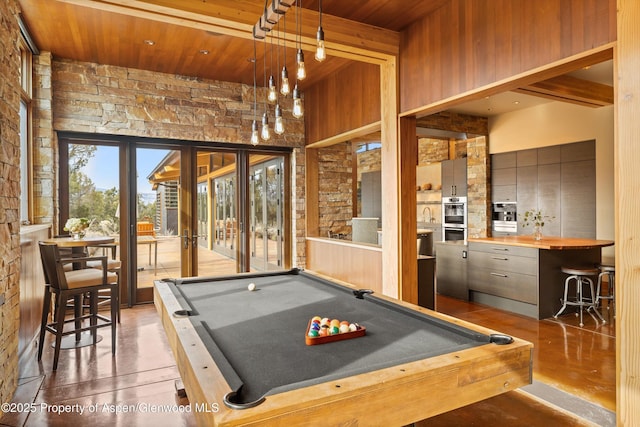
(547,242)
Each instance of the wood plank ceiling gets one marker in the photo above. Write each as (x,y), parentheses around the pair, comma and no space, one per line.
(116,32)
(212,38)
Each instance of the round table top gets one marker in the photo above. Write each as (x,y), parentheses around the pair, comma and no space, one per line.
(70,242)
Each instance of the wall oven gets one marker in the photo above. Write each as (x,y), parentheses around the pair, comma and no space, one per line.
(454,218)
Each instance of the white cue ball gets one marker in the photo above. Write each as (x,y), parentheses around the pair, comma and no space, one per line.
(251,287)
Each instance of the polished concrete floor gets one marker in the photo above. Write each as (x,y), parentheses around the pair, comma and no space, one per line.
(574,377)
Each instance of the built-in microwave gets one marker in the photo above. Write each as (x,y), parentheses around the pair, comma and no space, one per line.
(504,217)
(454,218)
(454,212)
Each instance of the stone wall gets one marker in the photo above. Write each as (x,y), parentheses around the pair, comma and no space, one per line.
(335,194)
(478,197)
(432,150)
(9,198)
(91,98)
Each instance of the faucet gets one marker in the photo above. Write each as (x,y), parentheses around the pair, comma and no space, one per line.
(427,208)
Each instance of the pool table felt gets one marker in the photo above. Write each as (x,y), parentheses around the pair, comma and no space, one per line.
(261,333)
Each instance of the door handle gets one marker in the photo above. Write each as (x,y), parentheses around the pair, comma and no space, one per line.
(185,239)
(498,275)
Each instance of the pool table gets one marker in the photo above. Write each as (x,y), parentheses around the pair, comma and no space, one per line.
(244,360)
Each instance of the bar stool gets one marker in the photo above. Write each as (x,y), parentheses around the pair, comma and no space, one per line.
(610,272)
(581,276)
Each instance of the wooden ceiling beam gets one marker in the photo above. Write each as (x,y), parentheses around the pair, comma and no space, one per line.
(344,38)
(571,89)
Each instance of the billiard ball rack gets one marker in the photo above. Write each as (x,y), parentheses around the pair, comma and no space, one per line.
(340,336)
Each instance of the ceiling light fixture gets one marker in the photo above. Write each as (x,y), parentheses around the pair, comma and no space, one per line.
(254,124)
(149,42)
(301,72)
(321,54)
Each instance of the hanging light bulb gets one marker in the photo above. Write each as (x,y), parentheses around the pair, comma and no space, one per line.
(285,89)
(279,125)
(298,111)
(301,72)
(321,54)
(273,93)
(266,132)
(254,133)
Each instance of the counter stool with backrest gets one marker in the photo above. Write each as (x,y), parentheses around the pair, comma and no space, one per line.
(582,278)
(74,284)
(113,265)
(610,272)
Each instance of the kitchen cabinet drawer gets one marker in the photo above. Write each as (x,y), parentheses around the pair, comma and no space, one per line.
(497,248)
(515,286)
(501,262)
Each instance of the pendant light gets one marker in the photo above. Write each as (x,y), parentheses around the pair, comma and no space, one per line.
(265,132)
(285,89)
(297,103)
(254,125)
(301,72)
(321,54)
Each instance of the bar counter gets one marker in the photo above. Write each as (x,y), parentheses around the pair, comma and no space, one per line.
(547,242)
(523,275)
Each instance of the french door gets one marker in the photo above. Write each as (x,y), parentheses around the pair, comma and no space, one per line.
(179,210)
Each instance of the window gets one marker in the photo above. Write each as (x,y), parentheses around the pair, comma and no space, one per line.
(26,58)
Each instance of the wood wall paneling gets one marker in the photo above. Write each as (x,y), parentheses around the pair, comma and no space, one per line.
(468,44)
(627,159)
(347,100)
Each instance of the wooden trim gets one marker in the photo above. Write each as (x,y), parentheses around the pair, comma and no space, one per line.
(357,264)
(391,186)
(571,89)
(408,210)
(349,39)
(547,71)
(627,233)
(346,136)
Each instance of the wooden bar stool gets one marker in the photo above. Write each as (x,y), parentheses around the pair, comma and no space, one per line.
(74,284)
(582,277)
(610,272)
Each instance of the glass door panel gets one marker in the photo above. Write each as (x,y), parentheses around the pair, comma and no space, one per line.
(217,213)
(267,212)
(157,214)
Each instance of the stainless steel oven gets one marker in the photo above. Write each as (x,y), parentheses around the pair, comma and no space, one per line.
(504,217)
(454,233)
(454,218)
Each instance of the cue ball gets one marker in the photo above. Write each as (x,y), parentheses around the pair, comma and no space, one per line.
(251,287)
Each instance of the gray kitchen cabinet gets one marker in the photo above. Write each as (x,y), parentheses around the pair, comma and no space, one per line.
(504,160)
(549,200)
(503,185)
(451,269)
(557,180)
(527,191)
(527,157)
(454,177)
(505,275)
(524,280)
(578,199)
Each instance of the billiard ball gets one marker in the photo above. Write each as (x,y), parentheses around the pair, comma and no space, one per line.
(344,328)
(314,333)
(353,327)
(251,287)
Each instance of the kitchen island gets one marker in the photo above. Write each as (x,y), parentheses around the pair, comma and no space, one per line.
(522,275)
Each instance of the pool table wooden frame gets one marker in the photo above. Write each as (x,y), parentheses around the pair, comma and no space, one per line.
(398,395)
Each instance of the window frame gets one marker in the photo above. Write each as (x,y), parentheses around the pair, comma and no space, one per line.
(26,141)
